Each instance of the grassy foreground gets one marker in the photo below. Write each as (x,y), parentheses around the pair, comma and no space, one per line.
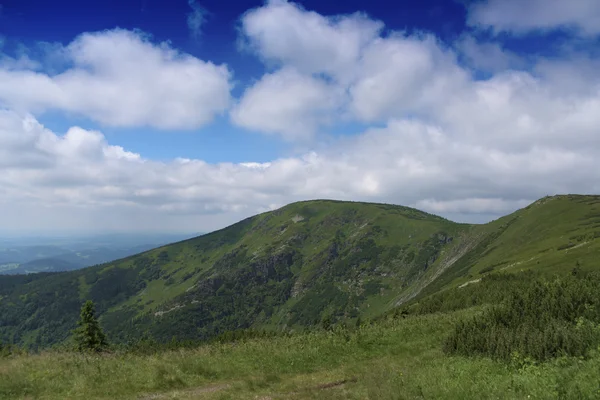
(394,359)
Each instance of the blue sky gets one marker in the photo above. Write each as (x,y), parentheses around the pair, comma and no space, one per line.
(26,23)
(186,116)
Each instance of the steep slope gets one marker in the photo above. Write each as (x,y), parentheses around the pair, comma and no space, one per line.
(292,267)
(554,235)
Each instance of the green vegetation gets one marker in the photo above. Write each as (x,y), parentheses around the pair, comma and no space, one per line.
(326,300)
(284,270)
(395,358)
(298,267)
(89,335)
(539,320)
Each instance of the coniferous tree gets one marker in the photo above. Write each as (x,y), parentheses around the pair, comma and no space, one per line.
(89,335)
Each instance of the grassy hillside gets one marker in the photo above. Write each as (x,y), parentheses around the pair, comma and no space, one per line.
(302,265)
(552,235)
(293,267)
(396,358)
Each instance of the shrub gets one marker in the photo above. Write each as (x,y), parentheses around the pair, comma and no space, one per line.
(541,320)
(486,270)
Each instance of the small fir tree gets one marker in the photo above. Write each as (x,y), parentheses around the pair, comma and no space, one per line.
(89,335)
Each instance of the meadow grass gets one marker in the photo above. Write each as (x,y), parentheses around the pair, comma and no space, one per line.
(393,359)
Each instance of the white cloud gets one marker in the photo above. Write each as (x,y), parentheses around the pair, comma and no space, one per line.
(515,111)
(21,62)
(521,16)
(119,78)
(369,77)
(196,18)
(403,75)
(284,33)
(446,142)
(495,206)
(288,103)
(488,56)
(80,180)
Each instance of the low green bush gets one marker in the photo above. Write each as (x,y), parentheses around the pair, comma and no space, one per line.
(538,319)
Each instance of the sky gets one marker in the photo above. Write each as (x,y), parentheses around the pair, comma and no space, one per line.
(187,116)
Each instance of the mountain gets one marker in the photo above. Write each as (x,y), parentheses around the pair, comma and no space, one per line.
(21,254)
(32,255)
(298,266)
(44,265)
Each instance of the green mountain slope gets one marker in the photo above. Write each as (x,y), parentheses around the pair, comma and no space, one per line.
(297,266)
(554,235)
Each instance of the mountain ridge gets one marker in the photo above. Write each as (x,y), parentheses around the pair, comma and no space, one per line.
(294,267)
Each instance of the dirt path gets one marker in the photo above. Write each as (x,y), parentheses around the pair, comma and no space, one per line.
(322,386)
(469,283)
(198,391)
(188,392)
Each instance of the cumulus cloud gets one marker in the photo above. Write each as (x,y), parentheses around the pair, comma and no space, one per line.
(371,77)
(488,56)
(397,75)
(437,168)
(403,75)
(18,63)
(284,33)
(120,78)
(288,103)
(522,16)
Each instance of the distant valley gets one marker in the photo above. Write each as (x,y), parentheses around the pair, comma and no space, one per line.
(33,255)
